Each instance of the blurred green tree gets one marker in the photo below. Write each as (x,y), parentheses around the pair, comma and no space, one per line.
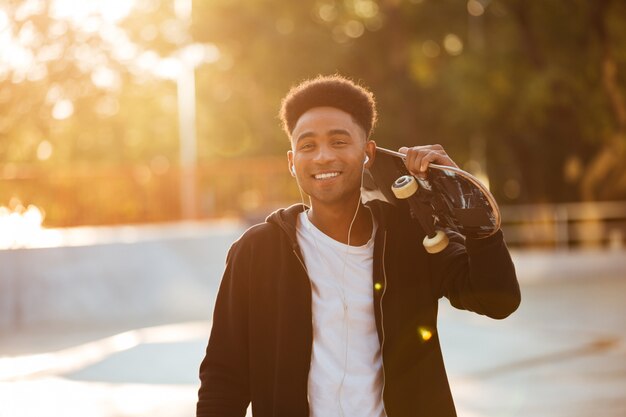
(531,87)
(530,93)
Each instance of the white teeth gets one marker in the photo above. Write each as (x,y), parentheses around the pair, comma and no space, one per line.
(326,175)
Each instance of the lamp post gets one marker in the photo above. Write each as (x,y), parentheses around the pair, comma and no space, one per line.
(186,95)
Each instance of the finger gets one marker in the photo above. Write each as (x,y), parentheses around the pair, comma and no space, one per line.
(419,157)
(405,149)
(413,158)
(407,159)
(417,162)
(422,161)
(431,156)
(423,158)
(437,157)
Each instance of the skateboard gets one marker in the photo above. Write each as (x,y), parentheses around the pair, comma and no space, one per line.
(447,198)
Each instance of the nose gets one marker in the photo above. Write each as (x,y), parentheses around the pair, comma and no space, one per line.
(324,154)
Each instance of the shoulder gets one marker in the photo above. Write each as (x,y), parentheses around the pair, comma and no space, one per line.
(274,235)
(260,231)
(258,240)
(383,210)
(256,234)
(394,217)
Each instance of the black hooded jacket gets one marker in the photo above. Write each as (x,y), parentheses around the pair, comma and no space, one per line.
(261,340)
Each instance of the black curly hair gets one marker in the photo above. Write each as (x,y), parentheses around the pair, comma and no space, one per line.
(329,91)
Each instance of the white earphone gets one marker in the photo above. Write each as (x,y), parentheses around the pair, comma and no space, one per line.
(367,158)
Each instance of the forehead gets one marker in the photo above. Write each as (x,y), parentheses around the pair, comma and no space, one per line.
(324,118)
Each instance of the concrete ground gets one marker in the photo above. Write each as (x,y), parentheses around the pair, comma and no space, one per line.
(563,353)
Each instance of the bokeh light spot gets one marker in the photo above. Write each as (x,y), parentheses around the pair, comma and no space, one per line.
(354,29)
(378,286)
(475,8)
(19,226)
(211,53)
(425,333)
(327,12)
(28,9)
(62,109)
(79,12)
(105,78)
(44,150)
(453,44)
(197,53)
(366,8)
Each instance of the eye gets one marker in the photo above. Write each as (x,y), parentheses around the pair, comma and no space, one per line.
(306,146)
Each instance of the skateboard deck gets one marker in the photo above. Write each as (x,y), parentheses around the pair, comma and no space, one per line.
(447,198)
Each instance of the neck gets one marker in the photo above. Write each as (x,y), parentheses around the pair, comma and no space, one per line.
(335,222)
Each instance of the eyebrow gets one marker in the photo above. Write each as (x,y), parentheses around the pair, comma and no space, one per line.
(331,132)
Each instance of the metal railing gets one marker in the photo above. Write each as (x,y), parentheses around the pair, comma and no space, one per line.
(566,225)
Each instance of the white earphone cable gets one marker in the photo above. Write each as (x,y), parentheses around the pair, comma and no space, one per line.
(341,288)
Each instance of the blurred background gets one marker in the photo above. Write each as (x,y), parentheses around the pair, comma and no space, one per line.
(139,138)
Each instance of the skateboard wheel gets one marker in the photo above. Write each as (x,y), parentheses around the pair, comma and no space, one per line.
(436,243)
(404,187)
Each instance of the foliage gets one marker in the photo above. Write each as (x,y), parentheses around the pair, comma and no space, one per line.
(529,92)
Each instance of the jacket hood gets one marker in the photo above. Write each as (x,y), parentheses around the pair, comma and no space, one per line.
(287,218)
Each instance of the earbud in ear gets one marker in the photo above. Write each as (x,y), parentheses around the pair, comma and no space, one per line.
(293,170)
(367,158)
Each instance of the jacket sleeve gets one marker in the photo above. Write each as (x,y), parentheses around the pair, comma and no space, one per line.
(477,275)
(224,378)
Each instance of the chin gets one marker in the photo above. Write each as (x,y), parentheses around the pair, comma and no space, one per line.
(333,199)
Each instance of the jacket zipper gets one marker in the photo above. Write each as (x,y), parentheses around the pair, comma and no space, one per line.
(382,325)
(302,263)
(312,332)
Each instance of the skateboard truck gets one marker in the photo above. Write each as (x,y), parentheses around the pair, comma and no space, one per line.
(447,198)
(405,188)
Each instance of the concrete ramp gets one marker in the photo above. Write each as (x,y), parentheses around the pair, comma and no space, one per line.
(144,275)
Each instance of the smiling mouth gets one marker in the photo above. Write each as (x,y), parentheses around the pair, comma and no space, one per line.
(326,175)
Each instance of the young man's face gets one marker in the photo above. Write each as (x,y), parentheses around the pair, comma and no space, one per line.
(328,149)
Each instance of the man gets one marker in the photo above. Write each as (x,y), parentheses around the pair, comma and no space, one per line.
(330,310)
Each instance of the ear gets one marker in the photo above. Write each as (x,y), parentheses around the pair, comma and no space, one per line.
(290,165)
(370,151)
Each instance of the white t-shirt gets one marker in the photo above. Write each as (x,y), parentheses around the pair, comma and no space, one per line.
(345,378)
